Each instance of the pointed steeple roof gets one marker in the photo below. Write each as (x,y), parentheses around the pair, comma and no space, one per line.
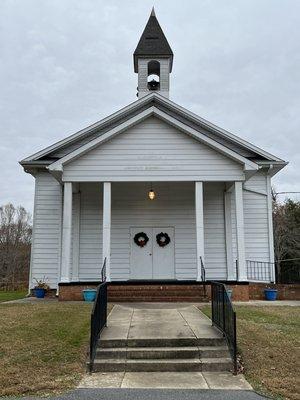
(152,42)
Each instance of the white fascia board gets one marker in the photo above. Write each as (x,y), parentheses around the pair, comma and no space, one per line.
(208,125)
(89,129)
(273,167)
(58,165)
(248,165)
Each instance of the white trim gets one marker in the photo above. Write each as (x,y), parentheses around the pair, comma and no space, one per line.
(199,226)
(208,125)
(58,165)
(168,103)
(67,233)
(231,273)
(76,238)
(106,227)
(270,225)
(30,286)
(240,231)
(88,129)
(248,165)
(60,238)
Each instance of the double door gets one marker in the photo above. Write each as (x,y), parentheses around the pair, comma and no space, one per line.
(153,260)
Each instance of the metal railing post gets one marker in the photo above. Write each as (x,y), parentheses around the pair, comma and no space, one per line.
(237,270)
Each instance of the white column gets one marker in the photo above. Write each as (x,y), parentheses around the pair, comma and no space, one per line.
(106,226)
(240,234)
(66,233)
(270,227)
(76,237)
(199,226)
(228,236)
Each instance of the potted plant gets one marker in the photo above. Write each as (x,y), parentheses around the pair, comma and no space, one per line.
(40,288)
(270,294)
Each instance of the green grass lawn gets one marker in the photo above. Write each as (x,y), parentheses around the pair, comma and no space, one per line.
(43,347)
(269,343)
(12,295)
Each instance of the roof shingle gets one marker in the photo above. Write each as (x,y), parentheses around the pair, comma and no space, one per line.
(152,42)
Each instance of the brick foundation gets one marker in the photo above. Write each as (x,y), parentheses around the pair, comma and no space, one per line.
(176,292)
(73,292)
(285,292)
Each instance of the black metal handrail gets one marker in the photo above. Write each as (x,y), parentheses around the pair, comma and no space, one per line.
(203,278)
(224,317)
(260,271)
(98,315)
(103,271)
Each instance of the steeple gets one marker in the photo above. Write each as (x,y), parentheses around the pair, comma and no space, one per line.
(153,59)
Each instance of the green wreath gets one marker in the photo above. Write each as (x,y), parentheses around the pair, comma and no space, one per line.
(141,239)
(162,239)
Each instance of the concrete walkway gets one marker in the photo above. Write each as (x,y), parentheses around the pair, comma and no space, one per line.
(161,321)
(158,321)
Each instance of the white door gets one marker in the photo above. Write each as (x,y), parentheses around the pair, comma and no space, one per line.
(141,257)
(152,261)
(163,256)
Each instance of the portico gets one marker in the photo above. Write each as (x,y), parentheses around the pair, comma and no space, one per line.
(193,214)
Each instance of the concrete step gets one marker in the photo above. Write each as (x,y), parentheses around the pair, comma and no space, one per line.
(162,342)
(162,365)
(162,352)
(193,299)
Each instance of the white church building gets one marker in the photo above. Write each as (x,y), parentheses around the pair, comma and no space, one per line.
(159,194)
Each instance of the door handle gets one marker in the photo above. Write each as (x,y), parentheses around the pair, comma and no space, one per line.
(150,254)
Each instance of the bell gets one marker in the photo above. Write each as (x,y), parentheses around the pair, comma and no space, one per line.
(153,85)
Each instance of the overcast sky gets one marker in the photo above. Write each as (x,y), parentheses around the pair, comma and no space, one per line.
(65,64)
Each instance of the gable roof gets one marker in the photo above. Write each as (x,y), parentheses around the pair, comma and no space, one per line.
(67,145)
(152,42)
(248,166)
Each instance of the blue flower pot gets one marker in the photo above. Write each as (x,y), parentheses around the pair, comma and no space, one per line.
(89,294)
(39,293)
(270,294)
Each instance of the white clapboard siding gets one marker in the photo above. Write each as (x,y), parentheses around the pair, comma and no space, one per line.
(46,243)
(90,248)
(256,218)
(257,182)
(214,231)
(256,228)
(152,150)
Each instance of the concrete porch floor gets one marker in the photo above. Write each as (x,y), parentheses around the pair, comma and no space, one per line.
(136,321)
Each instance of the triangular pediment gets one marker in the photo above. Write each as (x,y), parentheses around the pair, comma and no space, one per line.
(151,149)
(143,143)
(183,117)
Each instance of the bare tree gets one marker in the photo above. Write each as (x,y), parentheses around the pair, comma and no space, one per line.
(15,241)
(286,219)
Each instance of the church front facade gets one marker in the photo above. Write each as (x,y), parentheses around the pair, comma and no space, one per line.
(153,193)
